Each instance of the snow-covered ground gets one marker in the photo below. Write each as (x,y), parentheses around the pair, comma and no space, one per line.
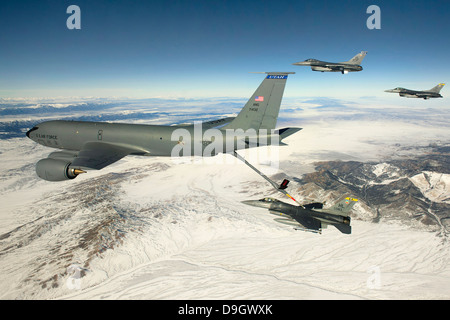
(152,228)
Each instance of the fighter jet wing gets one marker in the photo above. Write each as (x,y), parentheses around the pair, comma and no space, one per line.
(309,223)
(423,96)
(286,221)
(334,67)
(97,155)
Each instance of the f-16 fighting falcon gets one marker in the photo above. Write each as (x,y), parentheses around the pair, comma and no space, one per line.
(88,146)
(426,94)
(310,217)
(352,65)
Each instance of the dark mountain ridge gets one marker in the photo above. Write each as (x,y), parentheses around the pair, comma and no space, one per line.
(415,191)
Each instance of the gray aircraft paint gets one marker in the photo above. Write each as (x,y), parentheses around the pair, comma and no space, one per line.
(261,110)
(95,145)
(425,94)
(352,65)
(311,217)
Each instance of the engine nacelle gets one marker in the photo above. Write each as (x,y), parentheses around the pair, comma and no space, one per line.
(55,170)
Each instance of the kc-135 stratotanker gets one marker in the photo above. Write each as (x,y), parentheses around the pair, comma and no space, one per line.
(88,146)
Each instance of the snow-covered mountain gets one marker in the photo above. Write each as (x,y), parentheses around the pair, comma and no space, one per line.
(153,228)
(413,191)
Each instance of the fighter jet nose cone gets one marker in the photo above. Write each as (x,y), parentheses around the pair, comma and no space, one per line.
(257,203)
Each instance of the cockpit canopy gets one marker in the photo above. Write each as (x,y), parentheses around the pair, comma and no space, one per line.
(311,60)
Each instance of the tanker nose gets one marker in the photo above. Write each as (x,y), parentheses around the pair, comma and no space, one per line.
(31,130)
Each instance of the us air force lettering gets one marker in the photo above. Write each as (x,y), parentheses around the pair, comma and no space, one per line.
(85,146)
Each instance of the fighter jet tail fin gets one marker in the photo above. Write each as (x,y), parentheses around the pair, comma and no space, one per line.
(437,88)
(343,207)
(358,58)
(261,110)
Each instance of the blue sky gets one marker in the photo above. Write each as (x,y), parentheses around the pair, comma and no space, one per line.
(207,48)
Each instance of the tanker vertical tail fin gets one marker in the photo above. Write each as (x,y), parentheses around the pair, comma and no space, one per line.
(261,110)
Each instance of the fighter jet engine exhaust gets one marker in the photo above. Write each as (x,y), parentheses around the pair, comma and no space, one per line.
(56,170)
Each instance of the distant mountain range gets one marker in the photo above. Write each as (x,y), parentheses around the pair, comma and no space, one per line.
(23,116)
(415,191)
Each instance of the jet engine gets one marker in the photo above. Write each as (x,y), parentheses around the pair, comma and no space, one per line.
(56,170)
